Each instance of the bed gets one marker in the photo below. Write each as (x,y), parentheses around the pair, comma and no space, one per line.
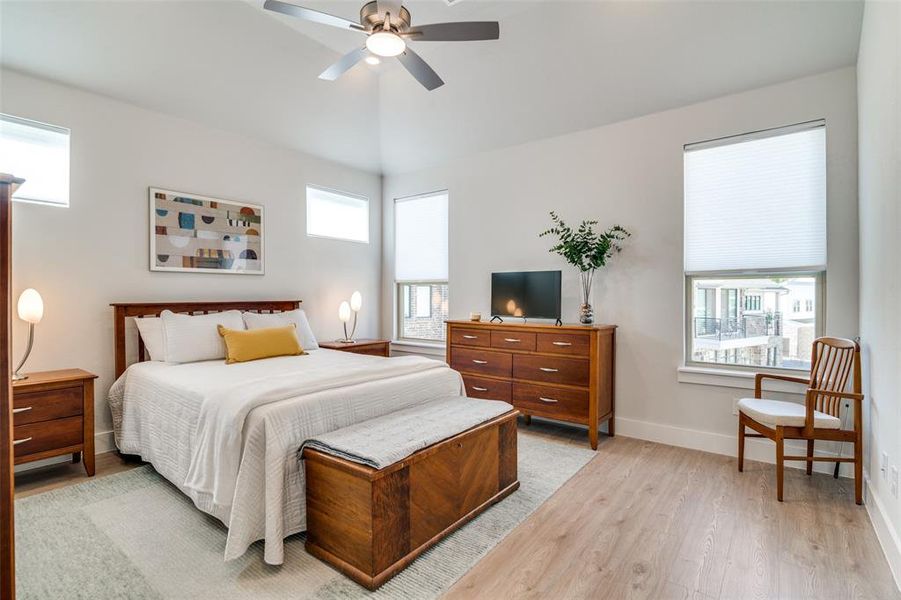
(227,436)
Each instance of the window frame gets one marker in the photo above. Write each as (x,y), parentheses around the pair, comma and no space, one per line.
(340,193)
(400,312)
(688,314)
(10,118)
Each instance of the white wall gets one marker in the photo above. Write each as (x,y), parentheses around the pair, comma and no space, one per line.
(95,252)
(879,93)
(630,173)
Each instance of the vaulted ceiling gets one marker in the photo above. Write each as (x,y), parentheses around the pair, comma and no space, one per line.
(559,66)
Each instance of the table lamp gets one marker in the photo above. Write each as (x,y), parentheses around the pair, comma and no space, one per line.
(31,310)
(356,302)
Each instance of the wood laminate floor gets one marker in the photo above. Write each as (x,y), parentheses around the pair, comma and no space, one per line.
(644,520)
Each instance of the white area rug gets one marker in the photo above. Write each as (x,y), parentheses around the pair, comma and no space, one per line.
(133,535)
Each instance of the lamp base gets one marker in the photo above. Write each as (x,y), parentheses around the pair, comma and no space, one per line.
(346,341)
(17,377)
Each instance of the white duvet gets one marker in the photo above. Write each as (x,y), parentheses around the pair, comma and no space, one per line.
(228,435)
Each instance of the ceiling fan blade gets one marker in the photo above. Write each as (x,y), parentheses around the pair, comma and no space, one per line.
(455,32)
(311,15)
(344,64)
(419,69)
(389,6)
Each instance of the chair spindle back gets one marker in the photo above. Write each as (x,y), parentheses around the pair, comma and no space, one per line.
(832,361)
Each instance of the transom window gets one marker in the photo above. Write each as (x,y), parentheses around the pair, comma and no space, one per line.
(755,247)
(38,153)
(337,215)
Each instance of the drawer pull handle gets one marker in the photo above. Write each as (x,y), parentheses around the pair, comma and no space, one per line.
(563,343)
(548,369)
(548,400)
(22,441)
(479,389)
(470,337)
(512,340)
(21,410)
(480,362)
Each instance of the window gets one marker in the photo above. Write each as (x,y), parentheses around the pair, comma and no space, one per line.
(420,267)
(337,215)
(39,153)
(755,241)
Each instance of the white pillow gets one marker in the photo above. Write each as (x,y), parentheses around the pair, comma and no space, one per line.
(296,317)
(192,338)
(151,331)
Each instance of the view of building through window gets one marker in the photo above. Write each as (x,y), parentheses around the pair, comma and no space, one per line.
(425,310)
(760,322)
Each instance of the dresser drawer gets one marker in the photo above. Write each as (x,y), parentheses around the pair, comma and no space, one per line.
(470,337)
(487,389)
(548,401)
(45,405)
(571,344)
(47,435)
(549,369)
(481,362)
(513,340)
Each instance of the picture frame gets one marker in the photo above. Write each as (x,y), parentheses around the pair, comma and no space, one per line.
(191,233)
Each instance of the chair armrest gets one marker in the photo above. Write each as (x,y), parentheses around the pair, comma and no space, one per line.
(759,377)
(848,395)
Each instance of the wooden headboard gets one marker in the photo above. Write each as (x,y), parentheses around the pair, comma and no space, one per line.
(137,310)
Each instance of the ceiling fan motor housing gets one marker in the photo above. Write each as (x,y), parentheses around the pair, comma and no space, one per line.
(372,20)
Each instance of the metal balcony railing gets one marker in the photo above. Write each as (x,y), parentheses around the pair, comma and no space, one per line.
(745,326)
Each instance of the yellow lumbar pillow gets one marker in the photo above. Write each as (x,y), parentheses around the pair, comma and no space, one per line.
(253,344)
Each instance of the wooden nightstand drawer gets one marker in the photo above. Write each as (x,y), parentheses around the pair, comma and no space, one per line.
(47,435)
(568,371)
(34,407)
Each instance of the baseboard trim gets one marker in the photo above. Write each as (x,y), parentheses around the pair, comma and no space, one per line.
(718,443)
(885,533)
(103,442)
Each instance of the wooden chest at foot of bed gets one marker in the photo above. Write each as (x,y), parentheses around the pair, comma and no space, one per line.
(370,524)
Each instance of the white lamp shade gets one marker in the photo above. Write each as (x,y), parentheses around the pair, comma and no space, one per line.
(356,301)
(344,312)
(31,306)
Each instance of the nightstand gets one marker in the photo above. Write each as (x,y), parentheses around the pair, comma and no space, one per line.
(373,347)
(53,414)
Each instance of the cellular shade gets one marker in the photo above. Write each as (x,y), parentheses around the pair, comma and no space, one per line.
(757,202)
(39,153)
(420,229)
(337,215)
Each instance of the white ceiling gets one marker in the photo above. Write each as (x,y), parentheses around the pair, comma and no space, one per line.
(559,66)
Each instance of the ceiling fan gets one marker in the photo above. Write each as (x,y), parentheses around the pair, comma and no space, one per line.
(388,28)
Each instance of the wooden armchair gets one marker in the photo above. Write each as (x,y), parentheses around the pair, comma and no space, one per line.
(833,360)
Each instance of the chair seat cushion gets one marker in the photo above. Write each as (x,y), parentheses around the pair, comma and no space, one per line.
(787,414)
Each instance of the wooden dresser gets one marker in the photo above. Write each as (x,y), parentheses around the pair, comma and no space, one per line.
(53,414)
(558,372)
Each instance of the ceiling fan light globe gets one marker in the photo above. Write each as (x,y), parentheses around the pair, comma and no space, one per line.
(385,43)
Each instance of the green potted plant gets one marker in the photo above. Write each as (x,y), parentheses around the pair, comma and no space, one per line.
(588,251)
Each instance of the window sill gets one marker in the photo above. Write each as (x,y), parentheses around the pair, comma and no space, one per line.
(428,348)
(735,379)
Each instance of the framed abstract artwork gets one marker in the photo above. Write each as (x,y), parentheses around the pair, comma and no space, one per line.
(198,234)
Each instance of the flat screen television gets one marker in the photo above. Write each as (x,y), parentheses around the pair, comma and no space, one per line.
(526,294)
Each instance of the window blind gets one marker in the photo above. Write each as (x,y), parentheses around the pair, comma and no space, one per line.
(757,202)
(337,215)
(39,153)
(420,244)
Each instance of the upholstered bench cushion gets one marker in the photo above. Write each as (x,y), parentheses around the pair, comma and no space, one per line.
(787,414)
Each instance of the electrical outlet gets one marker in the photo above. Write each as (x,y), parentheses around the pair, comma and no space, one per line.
(894,482)
(884,466)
